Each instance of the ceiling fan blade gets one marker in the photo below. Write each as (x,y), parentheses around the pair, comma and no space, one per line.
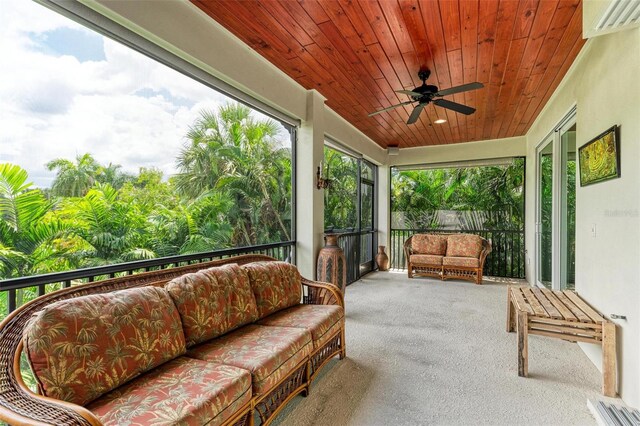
(391,107)
(416,113)
(463,109)
(409,92)
(458,89)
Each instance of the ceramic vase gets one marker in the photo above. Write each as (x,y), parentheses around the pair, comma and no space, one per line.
(382,259)
(331,266)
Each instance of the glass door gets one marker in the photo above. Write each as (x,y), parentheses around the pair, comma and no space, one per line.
(544,214)
(556,207)
(568,208)
(367,219)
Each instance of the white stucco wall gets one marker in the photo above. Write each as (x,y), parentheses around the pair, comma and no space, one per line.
(604,84)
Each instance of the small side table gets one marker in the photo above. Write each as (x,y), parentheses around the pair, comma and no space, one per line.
(562,315)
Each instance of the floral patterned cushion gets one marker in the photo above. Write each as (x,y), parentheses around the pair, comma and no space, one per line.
(213,302)
(184,391)
(470,262)
(81,348)
(322,321)
(425,259)
(276,285)
(269,353)
(429,244)
(464,245)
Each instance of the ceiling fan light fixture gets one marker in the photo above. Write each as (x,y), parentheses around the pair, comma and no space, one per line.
(440,121)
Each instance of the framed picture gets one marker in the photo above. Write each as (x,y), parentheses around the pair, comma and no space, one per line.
(600,158)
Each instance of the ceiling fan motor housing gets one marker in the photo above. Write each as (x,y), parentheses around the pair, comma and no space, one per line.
(424,74)
(426,90)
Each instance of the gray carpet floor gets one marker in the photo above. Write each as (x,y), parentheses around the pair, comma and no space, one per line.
(423,351)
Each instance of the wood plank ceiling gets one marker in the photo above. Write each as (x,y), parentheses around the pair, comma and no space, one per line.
(356,53)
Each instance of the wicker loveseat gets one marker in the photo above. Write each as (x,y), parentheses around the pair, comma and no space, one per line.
(209,343)
(447,256)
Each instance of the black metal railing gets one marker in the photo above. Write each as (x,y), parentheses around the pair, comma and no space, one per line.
(507,257)
(358,252)
(17,291)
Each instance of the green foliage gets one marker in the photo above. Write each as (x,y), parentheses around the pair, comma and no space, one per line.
(76,179)
(110,230)
(28,230)
(492,196)
(233,154)
(341,198)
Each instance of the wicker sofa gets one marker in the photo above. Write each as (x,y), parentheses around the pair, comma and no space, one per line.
(210,343)
(445,256)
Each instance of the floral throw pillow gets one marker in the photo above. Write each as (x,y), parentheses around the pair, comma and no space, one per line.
(429,244)
(82,348)
(464,245)
(275,285)
(213,301)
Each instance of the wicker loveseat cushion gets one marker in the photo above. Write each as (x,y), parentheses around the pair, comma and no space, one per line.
(464,245)
(429,244)
(213,302)
(81,348)
(275,285)
(269,353)
(469,262)
(426,259)
(183,391)
(322,321)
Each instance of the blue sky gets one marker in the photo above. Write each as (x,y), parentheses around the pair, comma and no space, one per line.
(65,90)
(82,45)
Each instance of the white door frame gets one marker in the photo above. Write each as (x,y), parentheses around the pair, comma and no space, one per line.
(554,137)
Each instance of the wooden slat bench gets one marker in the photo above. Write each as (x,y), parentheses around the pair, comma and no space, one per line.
(563,315)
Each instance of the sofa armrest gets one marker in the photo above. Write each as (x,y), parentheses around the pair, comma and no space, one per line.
(320,293)
(486,249)
(407,248)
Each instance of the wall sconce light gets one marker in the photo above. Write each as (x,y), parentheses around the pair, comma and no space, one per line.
(322,183)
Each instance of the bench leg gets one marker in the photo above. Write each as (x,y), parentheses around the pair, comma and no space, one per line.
(609,359)
(510,313)
(410,268)
(523,345)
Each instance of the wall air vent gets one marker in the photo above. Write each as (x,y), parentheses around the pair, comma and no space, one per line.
(619,15)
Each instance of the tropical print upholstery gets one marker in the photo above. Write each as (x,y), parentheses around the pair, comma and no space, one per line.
(464,245)
(425,259)
(322,321)
(276,285)
(213,302)
(81,348)
(429,244)
(470,262)
(184,391)
(269,353)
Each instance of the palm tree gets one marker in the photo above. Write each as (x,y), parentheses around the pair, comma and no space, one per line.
(233,153)
(340,199)
(27,230)
(113,175)
(73,179)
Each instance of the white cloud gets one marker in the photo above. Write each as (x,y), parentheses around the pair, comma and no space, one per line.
(57,106)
